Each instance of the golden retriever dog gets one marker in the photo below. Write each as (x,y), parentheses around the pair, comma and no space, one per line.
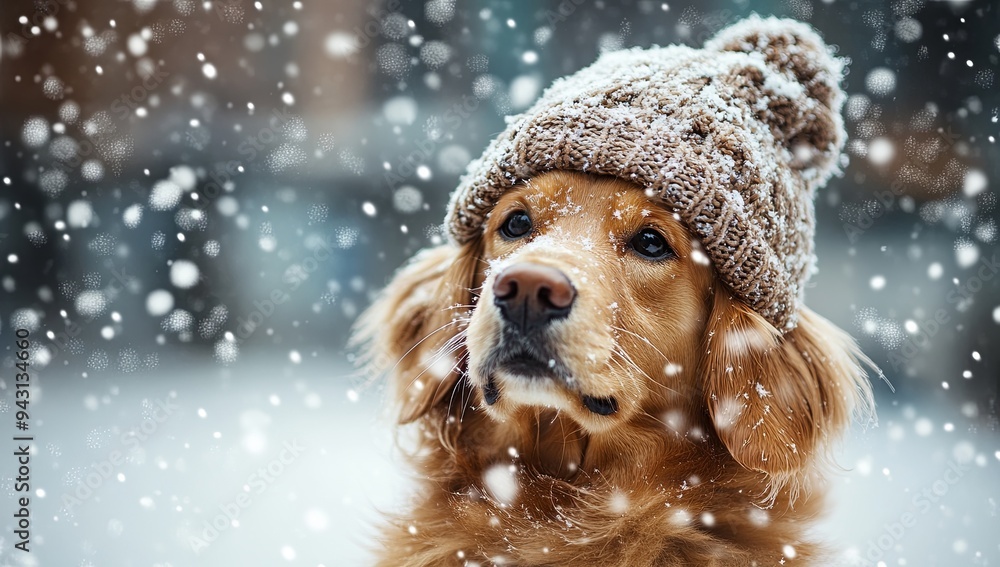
(583,390)
(610,361)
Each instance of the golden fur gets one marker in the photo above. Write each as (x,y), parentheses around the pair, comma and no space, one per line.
(713,455)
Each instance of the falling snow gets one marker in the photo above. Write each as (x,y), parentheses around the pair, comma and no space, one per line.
(198,199)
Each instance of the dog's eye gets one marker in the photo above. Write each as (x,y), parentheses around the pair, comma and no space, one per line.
(517,225)
(650,244)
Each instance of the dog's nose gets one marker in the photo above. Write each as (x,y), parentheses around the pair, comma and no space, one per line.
(531,295)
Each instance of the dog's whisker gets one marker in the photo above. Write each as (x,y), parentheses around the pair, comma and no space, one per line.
(643,339)
(455,388)
(626,359)
(421,341)
(451,346)
(646,374)
(467,401)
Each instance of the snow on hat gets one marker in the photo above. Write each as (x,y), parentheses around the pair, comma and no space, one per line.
(734,137)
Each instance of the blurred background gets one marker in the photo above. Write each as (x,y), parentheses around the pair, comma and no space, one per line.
(198,199)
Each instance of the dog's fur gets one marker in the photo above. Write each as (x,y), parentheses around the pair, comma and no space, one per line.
(714,455)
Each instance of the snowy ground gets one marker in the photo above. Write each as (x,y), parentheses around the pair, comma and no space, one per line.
(316,506)
(921,491)
(224,427)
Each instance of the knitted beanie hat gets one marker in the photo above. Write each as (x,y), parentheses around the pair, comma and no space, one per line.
(734,137)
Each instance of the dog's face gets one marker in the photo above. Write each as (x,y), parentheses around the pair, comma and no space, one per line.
(594,302)
(584,299)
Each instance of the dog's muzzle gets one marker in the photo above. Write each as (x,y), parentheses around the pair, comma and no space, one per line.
(530,297)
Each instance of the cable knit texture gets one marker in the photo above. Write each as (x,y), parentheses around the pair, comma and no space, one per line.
(734,137)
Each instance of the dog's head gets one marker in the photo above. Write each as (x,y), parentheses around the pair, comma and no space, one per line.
(594,303)
(586,297)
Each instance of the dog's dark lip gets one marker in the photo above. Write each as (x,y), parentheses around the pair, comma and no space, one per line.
(490,391)
(530,361)
(526,366)
(601,406)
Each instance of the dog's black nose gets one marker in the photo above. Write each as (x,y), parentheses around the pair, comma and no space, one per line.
(531,295)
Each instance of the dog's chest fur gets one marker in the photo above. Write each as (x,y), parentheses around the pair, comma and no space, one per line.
(651,500)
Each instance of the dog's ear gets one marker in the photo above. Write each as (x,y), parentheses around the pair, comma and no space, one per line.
(776,400)
(414,329)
